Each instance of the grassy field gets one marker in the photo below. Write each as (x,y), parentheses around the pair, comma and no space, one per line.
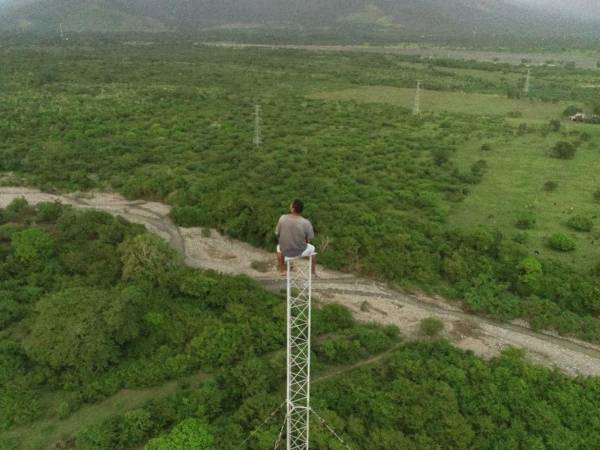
(453,102)
(519,167)
(514,184)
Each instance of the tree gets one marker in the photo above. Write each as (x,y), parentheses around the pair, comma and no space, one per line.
(550,186)
(580,223)
(82,329)
(563,150)
(191,434)
(147,257)
(431,326)
(32,246)
(561,242)
(530,275)
(571,110)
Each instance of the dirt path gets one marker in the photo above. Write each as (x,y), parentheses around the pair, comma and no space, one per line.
(53,433)
(369,300)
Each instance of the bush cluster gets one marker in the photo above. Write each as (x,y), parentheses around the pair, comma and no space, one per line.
(580,223)
(561,242)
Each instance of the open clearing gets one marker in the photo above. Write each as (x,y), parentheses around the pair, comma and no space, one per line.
(453,102)
(368,300)
(514,184)
(586,60)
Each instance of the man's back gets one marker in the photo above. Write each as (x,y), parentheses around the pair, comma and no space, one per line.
(294,232)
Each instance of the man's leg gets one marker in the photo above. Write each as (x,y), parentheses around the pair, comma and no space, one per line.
(280,262)
(311,251)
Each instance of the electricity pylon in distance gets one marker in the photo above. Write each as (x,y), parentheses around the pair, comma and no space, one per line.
(417,106)
(527,82)
(257,135)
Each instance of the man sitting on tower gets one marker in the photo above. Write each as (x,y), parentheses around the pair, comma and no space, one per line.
(294,233)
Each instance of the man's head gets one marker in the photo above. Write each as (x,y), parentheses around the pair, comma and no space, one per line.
(297,207)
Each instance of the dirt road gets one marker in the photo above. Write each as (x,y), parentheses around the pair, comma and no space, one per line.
(369,300)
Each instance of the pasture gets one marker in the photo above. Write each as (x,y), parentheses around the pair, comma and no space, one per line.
(452,102)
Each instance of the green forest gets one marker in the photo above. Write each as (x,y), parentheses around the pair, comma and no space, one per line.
(485,197)
(409,199)
(208,350)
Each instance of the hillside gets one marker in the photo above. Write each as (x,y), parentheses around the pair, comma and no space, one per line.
(75,16)
(412,17)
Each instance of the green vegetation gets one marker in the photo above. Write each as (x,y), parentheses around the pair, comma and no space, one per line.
(454,102)
(396,196)
(561,242)
(581,223)
(213,347)
(564,150)
(431,326)
(82,332)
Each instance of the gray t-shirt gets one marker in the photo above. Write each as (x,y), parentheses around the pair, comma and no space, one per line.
(293,232)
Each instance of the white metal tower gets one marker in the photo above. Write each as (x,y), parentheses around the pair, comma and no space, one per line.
(299,296)
(417,107)
(527,82)
(257,135)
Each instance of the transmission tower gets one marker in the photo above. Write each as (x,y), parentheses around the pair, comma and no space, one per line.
(527,82)
(299,295)
(257,136)
(417,107)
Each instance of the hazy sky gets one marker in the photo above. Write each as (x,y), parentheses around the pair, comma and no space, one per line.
(577,7)
(585,8)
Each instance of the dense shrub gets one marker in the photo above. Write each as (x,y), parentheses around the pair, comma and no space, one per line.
(525,220)
(431,326)
(83,330)
(550,186)
(561,242)
(571,110)
(189,434)
(580,223)
(564,150)
(332,317)
(596,270)
(32,246)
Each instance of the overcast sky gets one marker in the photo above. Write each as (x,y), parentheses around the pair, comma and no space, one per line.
(584,8)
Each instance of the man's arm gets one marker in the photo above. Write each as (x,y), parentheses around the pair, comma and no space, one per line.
(278,227)
(309,232)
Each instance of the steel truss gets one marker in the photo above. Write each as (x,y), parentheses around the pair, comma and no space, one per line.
(299,293)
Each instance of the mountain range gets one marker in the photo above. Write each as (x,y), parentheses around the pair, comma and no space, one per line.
(425,17)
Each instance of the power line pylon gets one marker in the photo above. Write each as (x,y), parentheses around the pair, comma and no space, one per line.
(257,135)
(299,297)
(527,82)
(417,106)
